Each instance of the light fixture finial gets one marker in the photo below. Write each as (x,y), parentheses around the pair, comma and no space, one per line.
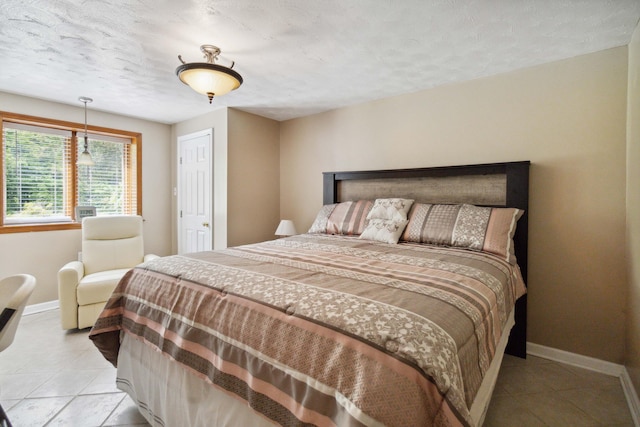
(209,78)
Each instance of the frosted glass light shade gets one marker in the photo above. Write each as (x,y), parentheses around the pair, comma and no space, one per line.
(85,159)
(286,228)
(209,79)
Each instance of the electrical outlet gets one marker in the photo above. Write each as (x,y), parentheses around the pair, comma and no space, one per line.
(80,256)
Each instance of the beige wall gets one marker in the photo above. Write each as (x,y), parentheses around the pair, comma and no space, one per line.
(567,117)
(633,212)
(43,253)
(246,177)
(254,178)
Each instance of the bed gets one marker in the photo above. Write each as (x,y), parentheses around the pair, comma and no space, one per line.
(341,325)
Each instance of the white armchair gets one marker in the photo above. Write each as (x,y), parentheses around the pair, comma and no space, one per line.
(111,246)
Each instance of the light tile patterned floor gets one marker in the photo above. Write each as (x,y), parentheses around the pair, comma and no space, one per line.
(539,392)
(56,378)
(49,377)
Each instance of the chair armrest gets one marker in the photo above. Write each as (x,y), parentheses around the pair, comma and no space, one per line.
(68,278)
(149,257)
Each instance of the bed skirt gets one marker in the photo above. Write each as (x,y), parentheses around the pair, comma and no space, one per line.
(168,394)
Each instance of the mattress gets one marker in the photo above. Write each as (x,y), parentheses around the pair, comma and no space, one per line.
(311,330)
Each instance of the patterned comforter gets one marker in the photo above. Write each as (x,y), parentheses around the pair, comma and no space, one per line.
(324,330)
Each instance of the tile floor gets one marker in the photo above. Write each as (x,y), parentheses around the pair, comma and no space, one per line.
(540,392)
(56,378)
(53,378)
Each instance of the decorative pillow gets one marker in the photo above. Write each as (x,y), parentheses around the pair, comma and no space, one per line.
(395,209)
(320,223)
(384,230)
(466,226)
(347,218)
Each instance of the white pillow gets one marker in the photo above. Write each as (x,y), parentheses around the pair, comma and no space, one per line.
(384,230)
(393,209)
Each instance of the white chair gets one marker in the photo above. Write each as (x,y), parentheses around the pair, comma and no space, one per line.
(111,246)
(14,293)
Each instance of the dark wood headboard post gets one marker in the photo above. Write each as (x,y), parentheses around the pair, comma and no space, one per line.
(517,196)
(329,188)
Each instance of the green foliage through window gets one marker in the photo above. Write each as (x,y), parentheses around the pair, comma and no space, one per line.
(34,174)
(103,185)
(42,183)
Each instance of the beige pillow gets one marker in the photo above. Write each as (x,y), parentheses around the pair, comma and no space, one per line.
(384,230)
(394,209)
(465,226)
(347,218)
(320,223)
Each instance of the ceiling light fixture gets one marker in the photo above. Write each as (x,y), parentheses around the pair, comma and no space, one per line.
(209,78)
(85,158)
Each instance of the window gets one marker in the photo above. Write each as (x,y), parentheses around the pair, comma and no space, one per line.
(42,184)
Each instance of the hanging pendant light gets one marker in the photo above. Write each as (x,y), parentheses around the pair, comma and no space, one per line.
(85,157)
(209,78)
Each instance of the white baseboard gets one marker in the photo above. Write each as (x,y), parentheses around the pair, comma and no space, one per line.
(39,308)
(632,397)
(596,365)
(573,359)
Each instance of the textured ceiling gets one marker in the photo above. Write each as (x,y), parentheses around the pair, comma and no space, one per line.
(297,57)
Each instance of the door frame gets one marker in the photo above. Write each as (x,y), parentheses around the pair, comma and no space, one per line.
(180,139)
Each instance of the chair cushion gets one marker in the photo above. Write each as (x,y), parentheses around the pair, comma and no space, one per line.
(111,227)
(105,255)
(97,287)
(111,242)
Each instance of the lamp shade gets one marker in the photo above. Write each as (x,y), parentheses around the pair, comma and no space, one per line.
(85,159)
(286,228)
(207,78)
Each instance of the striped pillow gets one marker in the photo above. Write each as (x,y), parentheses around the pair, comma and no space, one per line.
(320,223)
(465,226)
(348,218)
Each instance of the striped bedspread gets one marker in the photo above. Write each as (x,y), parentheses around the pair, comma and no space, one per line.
(324,330)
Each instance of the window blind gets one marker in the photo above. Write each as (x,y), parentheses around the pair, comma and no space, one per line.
(43,184)
(110,184)
(35,174)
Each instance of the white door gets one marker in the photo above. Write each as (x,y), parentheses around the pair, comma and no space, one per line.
(194,192)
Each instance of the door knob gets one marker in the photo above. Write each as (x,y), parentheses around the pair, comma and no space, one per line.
(205,224)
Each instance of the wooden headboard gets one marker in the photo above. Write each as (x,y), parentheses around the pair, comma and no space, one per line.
(494,184)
